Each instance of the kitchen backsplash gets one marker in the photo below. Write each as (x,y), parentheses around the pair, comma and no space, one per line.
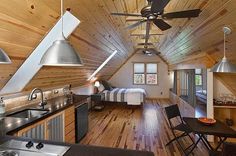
(19,101)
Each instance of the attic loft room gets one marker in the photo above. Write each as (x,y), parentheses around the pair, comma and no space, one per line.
(117,78)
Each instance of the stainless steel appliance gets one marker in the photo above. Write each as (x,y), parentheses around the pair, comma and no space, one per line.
(81,116)
(23,148)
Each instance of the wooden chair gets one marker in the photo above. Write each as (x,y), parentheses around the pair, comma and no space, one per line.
(171,113)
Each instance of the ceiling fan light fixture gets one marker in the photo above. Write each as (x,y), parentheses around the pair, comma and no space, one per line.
(4,58)
(61,52)
(224,66)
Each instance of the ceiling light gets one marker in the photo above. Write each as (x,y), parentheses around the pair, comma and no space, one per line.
(224,66)
(4,59)
(61,52)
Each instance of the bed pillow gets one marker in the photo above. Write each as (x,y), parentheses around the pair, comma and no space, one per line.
(106,85)
(101,88)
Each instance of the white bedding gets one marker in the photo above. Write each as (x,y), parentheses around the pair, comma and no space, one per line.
(133,96)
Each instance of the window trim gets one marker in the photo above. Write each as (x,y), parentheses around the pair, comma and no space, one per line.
(145,73)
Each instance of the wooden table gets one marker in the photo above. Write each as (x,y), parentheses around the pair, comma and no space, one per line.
(219,130)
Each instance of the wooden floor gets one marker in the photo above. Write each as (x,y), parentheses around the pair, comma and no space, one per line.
(140,128)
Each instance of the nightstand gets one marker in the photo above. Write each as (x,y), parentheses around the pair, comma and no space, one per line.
(96,100)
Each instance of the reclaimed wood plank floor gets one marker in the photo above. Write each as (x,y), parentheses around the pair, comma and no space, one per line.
(139,128)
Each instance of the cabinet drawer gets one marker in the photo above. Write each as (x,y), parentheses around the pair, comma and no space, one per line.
(70,137)
(69,119)
(69,111)
(69,127)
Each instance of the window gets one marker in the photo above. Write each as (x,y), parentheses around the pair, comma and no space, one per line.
(198,77)
(145,73)
(139,73)
(151,73)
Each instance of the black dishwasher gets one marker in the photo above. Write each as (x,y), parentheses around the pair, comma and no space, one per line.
(81,124)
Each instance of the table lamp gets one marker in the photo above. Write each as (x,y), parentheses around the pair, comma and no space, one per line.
(96,85)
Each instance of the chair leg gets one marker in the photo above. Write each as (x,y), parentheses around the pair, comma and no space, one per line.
(176,137)
(184,150)
(193,142)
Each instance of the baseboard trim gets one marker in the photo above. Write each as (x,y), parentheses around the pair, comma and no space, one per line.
(150,98)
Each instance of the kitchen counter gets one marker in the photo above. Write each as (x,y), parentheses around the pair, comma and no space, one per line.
(10,125)
(84,150)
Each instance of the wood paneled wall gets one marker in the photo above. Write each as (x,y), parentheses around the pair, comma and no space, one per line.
(24,23)
(190,43)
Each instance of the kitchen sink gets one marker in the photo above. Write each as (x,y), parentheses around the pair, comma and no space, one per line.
(28,113)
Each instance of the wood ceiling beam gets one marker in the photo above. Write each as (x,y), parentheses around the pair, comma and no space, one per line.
(150,40)
(138,32)
(142,47)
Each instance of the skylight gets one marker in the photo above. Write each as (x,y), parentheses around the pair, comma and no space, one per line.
(102,65)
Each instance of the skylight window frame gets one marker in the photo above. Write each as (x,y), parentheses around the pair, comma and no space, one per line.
(102,65)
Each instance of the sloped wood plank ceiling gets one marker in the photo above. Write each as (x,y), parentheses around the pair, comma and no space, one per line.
(189,43)
(25,22)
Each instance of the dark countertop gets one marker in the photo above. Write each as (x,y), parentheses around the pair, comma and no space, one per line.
(85,150)
(10,125)
(218,129)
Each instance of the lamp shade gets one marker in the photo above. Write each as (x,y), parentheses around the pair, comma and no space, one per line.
(61,53)
(224,66)
(4,59)
(97,84)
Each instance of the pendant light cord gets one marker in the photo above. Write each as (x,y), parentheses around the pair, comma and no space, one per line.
(224,43)
(62,18)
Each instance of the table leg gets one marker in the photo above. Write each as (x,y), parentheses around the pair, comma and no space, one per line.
(207,143)
(201,136)
(194,146)
(220,143)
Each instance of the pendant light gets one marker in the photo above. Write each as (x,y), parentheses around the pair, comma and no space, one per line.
(4,59)
(224,66)
(61,52)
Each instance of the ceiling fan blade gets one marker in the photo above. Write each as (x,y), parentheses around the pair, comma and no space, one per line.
(161,24)
(182,14)
(135,24)
(159,5)
(126,14)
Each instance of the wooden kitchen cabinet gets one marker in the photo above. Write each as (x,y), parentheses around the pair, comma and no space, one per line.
(59,127)
(69,125)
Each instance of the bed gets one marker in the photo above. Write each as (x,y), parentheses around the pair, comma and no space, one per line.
(132,96)
(201,96)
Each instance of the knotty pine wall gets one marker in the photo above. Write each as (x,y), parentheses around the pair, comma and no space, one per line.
(23,23)
(190,43)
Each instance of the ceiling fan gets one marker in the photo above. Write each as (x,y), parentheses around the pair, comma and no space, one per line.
(150,51)
(154,12)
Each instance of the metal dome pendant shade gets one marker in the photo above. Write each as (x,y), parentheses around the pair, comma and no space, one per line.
(224,66)
(4,59)
(61,52)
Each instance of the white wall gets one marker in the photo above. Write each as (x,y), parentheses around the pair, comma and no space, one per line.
(219,88)
(124,77)
(83,90)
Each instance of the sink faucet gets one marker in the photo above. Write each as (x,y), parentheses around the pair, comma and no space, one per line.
(31,97)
